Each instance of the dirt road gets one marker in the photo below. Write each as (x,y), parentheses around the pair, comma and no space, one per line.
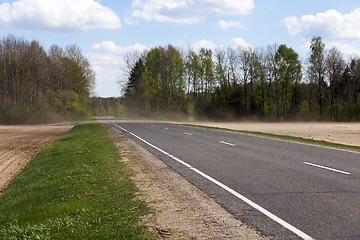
(19,144)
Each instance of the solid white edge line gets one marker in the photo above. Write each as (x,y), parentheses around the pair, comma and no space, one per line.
(230,144)
(238,195)
(327,168)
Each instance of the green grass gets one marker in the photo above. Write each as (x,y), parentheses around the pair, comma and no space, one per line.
(76,188)
(284,137)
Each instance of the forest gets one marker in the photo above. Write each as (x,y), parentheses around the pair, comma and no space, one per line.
(243,83)
(43,86)
(265,84)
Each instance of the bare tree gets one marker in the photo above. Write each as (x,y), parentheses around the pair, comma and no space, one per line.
(273,92)
(221,64)
(233,65)
(245,66)
(334,68)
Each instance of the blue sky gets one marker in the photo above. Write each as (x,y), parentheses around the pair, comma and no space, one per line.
(107,29)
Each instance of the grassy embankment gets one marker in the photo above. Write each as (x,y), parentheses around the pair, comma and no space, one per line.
(75,188)
(284,137)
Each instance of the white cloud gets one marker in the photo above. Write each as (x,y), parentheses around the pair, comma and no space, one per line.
(108,53)
(111,47)
(130,21)
(347,49)
(230,24)
(109,64)
(56,15)
(330,24)
(204,44)
(188,11)
(99,59)
(233,43)
(239,42)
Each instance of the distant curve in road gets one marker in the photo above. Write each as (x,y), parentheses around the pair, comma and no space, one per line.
(283,189)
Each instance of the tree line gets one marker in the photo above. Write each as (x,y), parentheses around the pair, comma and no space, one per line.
(244,83)
(111,106)
(39,86)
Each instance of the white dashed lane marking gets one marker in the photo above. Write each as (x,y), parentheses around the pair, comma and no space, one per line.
(327,168)
(226,143)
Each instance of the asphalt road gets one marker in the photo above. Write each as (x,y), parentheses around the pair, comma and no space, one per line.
(283,189)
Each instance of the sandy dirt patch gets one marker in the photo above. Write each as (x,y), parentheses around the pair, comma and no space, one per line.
(19,144)
(344,133)
(181,211)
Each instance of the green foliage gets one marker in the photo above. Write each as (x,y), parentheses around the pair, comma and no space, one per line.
(288,75)
(245,83)
(37,81)
(108,107)
(75,188)
(156,85)
(305,113)
(316,70)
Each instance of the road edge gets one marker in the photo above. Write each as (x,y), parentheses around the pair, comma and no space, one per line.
(205,220)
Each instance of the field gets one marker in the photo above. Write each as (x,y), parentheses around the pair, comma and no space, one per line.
(19,144)
(342,133)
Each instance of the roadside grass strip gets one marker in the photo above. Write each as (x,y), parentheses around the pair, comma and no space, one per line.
(76,188)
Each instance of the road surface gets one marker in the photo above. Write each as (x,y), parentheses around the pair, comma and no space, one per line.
(283,189)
